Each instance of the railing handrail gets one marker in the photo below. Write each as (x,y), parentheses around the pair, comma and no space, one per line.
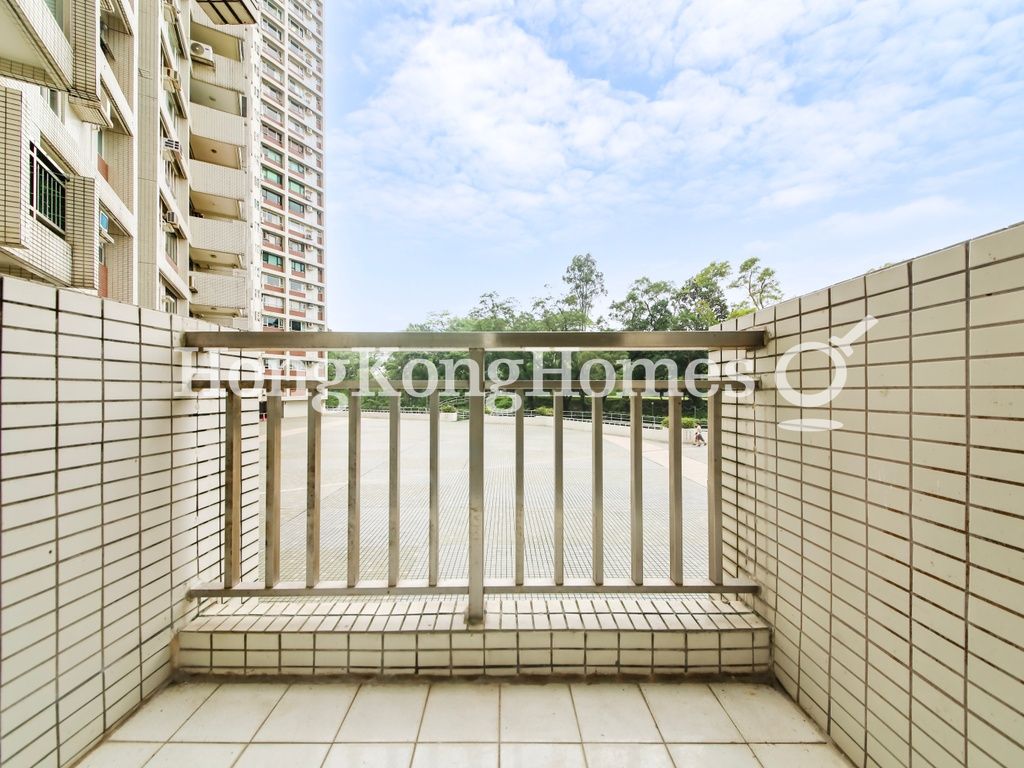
(489,340)
(477,390)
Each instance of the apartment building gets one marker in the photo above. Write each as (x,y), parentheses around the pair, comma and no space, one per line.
(129,167)
(292,175)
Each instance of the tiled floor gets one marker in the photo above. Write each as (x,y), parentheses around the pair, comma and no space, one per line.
(475,724)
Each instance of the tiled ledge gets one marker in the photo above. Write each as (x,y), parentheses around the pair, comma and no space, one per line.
(627,636)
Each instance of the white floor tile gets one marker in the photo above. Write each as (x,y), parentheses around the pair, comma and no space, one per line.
(542,756)
(369,756)
(196,755)
(717,755)
(627,756)
(162,715)
(113,754)
(689,712)
(455,756)
(611,712)
(309,713)
(384,713)
(799,756)
(461,712)
(280,755)
(763,714)
(538,713)
(233,713)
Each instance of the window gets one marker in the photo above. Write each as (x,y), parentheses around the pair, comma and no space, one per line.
(294,186)
(296,167)
(269,217)
(273,134)
(296,207)
(57,9)
(273,302)
(296,325)
(274,114)
(272,260)
(298,266)
(273,281)
(273,155)
(272,197)
(48,190)
(269,174)
(295,285)
(274,241)
(273,322)
(169,301)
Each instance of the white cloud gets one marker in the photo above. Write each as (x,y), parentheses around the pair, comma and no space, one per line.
(496,114)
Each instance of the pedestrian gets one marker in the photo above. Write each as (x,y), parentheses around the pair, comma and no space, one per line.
(698,437)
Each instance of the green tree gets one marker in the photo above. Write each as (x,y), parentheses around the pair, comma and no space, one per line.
(759,283)
(586,284)
(649,305)
(701,300)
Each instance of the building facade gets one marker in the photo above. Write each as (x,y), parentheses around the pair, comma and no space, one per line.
(291,149)
(130,160)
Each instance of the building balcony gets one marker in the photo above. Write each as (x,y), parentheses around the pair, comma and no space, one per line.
(231,12)
(219,242)
(218,138)
(862,555)
(219,192)
(219,293)
(226,73)
(36,45)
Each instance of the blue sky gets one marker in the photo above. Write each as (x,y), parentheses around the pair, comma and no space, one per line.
(476,145)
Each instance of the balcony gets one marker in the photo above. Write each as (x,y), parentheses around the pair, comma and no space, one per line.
(219,242)
(218,191)
(863,555)
(219,293)
(218,138)
(231,12)
(36,46)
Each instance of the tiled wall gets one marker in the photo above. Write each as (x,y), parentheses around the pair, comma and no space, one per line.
(891,551)
(110,504)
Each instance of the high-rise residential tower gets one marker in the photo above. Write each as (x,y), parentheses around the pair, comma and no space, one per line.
(291,155)
(130,164)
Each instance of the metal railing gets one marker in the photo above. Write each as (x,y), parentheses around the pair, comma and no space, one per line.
(48,193)
(475,585)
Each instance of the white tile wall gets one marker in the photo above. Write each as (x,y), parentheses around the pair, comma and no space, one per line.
(891,552)
(110,501)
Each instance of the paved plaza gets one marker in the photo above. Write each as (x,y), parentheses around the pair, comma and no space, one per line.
(499,501)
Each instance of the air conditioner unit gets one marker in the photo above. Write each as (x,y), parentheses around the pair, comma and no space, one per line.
(192,286)
(170,221)
(172,146)
(171,80)
(202,53)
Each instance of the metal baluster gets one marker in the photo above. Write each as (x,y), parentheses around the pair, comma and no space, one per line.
(636,491)
(520,523)
(354,450)
(597,488)
(394,488)
(475,609)
(675,490)
(233,488)
(558,560)
(272,564)
(714,441)
(313,443)
(433,459)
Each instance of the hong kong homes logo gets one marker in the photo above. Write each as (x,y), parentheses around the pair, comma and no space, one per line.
(838,349)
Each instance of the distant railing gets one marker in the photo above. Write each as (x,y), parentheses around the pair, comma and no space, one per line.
(476,391)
